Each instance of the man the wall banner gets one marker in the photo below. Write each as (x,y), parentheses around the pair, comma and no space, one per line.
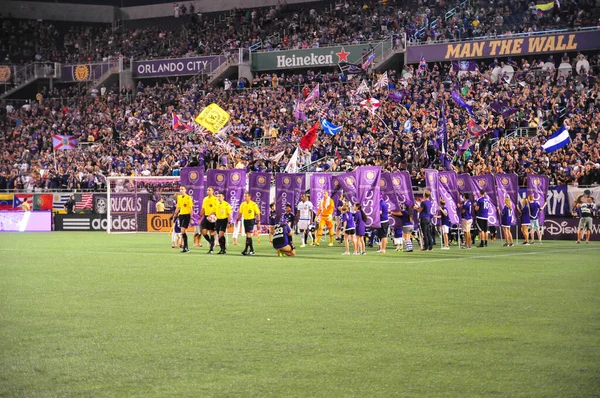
(213,118)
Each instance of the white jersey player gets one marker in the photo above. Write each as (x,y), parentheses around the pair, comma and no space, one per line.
(304,217)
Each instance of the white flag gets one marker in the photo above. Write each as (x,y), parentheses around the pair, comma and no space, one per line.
(363,88)
(276,157)
(383,81)
(292,166)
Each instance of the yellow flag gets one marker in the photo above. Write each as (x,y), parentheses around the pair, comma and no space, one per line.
(213,118)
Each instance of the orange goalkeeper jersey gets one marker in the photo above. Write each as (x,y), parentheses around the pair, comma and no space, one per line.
(326,207)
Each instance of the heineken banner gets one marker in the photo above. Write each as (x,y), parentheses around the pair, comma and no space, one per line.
(260,189)
(176,66)
(537,185)
(232,183)
(319,182)
(86,72)
(288,188)
(369,193)
(316,57)
(448,186)
(486,182)
(193,179)
(507,186)
(505,47)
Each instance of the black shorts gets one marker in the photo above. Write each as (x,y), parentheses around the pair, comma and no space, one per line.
(221,225)
(249,225)
(184,220)
(382,231)
(482,224)
(350,231)
(205,224)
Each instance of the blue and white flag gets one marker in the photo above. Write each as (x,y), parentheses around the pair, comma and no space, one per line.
(407,126)
(557,140)
(329,127)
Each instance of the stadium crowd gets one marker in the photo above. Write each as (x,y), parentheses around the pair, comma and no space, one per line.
(131,132)
(281,27)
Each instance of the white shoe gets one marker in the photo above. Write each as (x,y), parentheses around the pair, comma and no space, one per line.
(380,251)
(303,245)
(346,254)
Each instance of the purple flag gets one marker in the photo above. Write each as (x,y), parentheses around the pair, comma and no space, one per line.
(300,112)
(288,188)
(507,186)
(486,182)
(461,102)
(232,183)
(465,185)
(396,190)
(537,185)
(349,186)
(397,96)
(388,193)
(312,96)
(319,182)
(299,188)
(464,66)
(259,186)
(448,186)
(336,188)
(193,179)
(433,185)
(503,109)
(369,193)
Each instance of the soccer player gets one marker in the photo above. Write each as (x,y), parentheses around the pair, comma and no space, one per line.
(585,205)
(466,216)
(424,209)
(250,212)
(482,209)
(209,208)
(325,216)
(360,219)
(184,208)
(383,230)
(506,219)
(288,216)
(282,240)
(273,221)
(305,216)
(223,220)
(349,228)
(445,221)
(525,219)
(534,212)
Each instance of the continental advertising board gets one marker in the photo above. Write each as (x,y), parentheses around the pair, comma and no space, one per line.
(505,47)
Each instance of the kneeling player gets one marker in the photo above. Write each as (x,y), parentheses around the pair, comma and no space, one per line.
(282,240)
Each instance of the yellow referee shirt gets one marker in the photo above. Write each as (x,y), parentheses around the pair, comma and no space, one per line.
(249,210)
(223,210)
(185,204)
(209,205)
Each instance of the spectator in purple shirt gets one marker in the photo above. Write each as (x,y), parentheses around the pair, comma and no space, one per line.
(482,208)
(424,209)
(467,219)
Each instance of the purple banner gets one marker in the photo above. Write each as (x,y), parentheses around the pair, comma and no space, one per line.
(25,221)
(336,188)
(433,185)
(507,186)
(558,203)
(288,189)
(86,72)
(464,66)
(230,182)
(448,185)
(502,109)
(259,185)
(193,179)
(537,185)
(566,228)
(348,185)
(388,193)
(319,182)
(369,193)
(176,66)
(486,182)
(505,47)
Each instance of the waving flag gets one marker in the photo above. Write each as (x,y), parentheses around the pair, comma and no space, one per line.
(475,129)
(397,96)
(407,126)
(544,8)
(422,66)
(362,89)
(370,104)
(213,118)
(64,142)
(368,62)
(503,109)
(557,140)
(310,137)
(299,111)
(179,125)
(464,66)
(442,139)
(463,147)
(312,96)
(292,166)
(383,81)
(461,102)
(329,127)
(350,69)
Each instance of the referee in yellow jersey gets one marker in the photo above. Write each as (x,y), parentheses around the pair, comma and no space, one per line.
(223,220)
(184,208)
(251,213)
(209,208)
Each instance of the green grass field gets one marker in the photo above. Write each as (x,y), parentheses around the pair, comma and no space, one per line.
(91,314)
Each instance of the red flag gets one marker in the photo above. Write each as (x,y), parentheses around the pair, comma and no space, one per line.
(476,129)
(310,137)
(337,154)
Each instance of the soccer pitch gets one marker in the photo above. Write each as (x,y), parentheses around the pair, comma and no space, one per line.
(91,314)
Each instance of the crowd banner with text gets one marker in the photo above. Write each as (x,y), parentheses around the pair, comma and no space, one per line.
(316,57)
(505,47)
(176,66)
(259,186)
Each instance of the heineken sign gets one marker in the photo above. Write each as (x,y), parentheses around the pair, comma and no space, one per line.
(316,57)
